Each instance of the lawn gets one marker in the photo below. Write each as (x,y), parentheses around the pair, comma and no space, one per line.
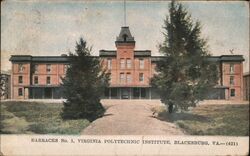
(37,118)
(228,119)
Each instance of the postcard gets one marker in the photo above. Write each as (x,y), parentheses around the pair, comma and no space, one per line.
(124,77)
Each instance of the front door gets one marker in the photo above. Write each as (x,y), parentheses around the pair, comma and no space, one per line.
(48,93)
(125,93)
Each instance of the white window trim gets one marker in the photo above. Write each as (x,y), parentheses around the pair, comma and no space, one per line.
(48,65)
(122,63)
(20,67)
(109,62)
(140,77)
(141,64)
(128,63)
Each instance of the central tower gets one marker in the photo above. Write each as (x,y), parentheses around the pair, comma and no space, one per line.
(129,69)
(125,44)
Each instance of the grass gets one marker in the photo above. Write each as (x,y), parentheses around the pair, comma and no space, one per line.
(225,120)
(37,118)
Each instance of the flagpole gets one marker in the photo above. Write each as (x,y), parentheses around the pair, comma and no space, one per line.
(124,5)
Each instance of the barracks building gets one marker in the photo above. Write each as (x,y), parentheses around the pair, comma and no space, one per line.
(39,77)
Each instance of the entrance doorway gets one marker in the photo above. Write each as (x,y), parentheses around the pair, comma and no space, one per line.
(48,93)
(125,93)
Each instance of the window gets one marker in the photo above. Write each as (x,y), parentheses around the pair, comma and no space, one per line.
(125,37)
(231,68)
(141,77)
(141,64)
(20,68)
(48,80)
(232,92)
(129,78)
(122,63)
(128,63)
(231,80)
(20,79)
(20,92)
(48,68)
(36,68)
(122,77)
(36,80)
(109,64)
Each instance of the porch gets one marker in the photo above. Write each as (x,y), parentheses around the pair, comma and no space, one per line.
(130,93)
(45,92)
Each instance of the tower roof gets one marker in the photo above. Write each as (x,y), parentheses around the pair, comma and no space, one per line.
(125,36)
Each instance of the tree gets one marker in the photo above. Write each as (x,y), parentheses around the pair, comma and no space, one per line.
(83,85)
(185,75)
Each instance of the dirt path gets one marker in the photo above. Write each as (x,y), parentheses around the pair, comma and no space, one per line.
(130,118)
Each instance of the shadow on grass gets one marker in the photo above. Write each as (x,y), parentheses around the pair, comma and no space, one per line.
(107,115)
(165,116)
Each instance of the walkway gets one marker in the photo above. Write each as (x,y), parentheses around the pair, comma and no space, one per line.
(130,117)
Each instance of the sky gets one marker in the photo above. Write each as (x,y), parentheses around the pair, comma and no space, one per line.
(52,27)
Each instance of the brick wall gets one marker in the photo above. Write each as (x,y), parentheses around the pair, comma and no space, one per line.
(127,52)
(25,74)
(237,75)
(28,76)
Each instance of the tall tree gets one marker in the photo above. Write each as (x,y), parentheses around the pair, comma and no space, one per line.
(83,84)
(185,76)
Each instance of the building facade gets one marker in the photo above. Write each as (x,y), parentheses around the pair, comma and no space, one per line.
(130,71)
(37,77)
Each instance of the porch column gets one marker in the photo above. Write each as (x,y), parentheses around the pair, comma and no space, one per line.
(117,93)
(140,93)
(52,90)
(109,93)
(120,93)
(26,93)
(149,89)
(33,93)
(130,93)
(43,92)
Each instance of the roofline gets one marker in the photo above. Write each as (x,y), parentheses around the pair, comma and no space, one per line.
(30,58)
(49,59)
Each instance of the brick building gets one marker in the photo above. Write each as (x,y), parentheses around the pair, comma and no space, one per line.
(130,71)
(37,77)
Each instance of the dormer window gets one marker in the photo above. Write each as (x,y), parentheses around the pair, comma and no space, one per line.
(125,36)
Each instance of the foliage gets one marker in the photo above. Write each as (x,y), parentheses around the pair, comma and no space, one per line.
(3,85)
(213,120)
(36,117)
(83,85)
(185,76)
